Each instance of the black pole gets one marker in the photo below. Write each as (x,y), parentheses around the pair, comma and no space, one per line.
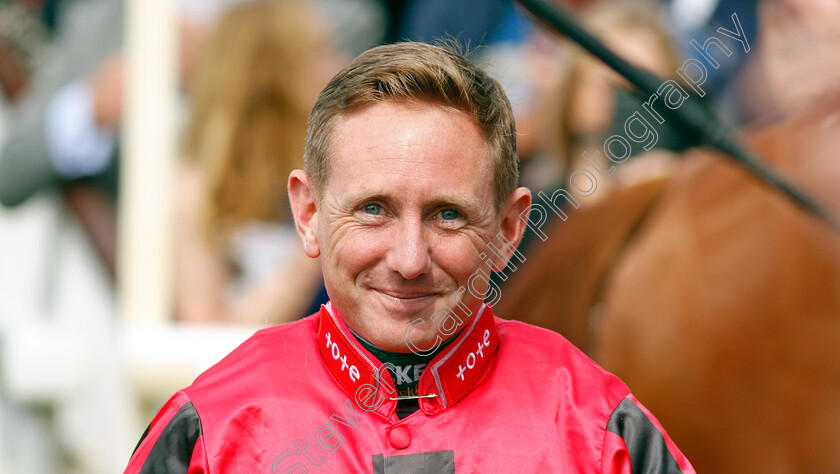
(703,126)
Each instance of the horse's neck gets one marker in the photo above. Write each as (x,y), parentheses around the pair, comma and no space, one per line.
(562,279)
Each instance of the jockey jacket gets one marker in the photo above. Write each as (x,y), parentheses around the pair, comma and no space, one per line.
(503,397)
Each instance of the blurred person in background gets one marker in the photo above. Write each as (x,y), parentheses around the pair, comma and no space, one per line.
(64,128)
(589,102)
(798,45)
(238,257)
(699,19)
(23,41)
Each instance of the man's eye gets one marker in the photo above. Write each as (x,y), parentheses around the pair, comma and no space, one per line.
(449,214)
(373,209)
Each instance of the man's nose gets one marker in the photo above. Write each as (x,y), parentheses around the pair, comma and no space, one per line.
(408,253)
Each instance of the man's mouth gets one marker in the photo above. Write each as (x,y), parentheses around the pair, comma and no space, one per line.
(406,299)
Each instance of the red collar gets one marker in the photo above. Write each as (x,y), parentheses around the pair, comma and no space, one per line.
(451,375)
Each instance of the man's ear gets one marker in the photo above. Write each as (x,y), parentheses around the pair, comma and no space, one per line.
(512,225)
(305,211)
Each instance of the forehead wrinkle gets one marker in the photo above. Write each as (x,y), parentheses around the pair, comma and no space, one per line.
(408,153)
(402,165)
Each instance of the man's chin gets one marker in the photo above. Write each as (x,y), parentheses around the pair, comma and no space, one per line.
(390,331)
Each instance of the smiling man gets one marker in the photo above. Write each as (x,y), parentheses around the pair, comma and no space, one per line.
(405,212)
(410,173)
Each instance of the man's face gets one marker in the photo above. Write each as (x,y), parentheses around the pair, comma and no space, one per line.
(405,213)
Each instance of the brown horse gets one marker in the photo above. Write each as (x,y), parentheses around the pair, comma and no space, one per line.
(714,298)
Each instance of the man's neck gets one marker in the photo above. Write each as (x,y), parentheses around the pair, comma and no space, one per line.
(406,372)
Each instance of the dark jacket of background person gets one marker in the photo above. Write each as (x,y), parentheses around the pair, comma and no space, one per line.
(90,32)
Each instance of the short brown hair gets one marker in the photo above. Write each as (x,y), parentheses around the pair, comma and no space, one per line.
(416,72)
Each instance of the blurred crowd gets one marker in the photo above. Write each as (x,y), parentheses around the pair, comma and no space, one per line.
(249,72)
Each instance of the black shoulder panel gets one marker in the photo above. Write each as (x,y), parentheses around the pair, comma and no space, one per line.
(174,448)
(645,443)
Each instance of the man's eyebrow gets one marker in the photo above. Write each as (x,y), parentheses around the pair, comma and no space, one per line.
(453,201)
(365,196)
(456,201)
